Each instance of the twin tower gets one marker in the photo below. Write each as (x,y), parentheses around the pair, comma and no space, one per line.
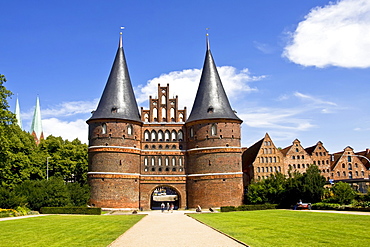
(139,160)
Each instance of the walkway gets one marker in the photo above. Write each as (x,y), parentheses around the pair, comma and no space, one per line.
(172,229)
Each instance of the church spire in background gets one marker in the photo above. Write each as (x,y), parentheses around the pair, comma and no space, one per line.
(36,126)
(18,113)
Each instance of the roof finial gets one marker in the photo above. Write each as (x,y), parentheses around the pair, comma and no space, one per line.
(207,39)
(120,37)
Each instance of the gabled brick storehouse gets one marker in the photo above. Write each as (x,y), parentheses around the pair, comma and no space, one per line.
(161,156)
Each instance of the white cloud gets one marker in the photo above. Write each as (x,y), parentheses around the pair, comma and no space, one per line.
(66,129)
(313,100)
(185,84)
(337,34)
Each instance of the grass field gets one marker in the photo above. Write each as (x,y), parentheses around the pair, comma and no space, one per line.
(292,228)
(58,230)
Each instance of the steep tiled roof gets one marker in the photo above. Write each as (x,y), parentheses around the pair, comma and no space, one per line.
(118,99)
(211,101)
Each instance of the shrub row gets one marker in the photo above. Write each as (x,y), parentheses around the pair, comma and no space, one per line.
(336,206)
(70,210)
(248,207)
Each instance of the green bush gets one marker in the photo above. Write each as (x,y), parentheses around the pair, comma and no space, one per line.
(327,206)
(249,207)
(227,209)
(9,199)
(70,210)
(21,211)
(256,207)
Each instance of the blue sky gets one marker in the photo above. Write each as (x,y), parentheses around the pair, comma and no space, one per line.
(294,69)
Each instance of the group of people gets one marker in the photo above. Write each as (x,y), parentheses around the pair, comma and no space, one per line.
(168,207)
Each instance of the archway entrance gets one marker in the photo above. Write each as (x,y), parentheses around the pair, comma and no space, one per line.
(166,195)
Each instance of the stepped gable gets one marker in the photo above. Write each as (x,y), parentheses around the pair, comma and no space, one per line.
(211,101)
(118,99)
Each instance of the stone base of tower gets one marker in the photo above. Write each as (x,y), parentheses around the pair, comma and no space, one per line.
(215,191)
(113,191)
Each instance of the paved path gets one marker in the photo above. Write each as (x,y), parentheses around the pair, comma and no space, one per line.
(172,229)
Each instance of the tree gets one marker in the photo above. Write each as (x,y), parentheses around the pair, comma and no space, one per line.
(343,193)
(313,185)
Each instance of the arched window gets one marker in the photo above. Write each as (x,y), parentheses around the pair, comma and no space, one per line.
(214,129)
(262,169)
(154,135)
(155,113)
(349,166)
(153,161)
(129,129)
(146,161)
(191,132)
(350,175)
(163,101)
(159,161)
(180,135)
(262,159)
(274,159)
(167,161)
(146,135)
(160,135)
(167,135)
(172,113)
(173,161)
(180,161)
(258,169)
(104,128)
(164,114)
(343,165)
(344,174)
(146,117)
(173,135)
(181,117)
(270,159)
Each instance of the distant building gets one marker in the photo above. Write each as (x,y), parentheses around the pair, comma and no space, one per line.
(36,125)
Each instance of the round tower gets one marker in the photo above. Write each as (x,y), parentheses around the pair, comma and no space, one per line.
(214,165)
(114,142)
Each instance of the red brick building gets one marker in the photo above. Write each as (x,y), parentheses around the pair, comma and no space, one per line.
(141,160)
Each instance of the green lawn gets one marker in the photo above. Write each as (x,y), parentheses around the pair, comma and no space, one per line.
(292,228)
(69,230)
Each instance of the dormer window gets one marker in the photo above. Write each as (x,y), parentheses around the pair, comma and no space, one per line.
(210,109)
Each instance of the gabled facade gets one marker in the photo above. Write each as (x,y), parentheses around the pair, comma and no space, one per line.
(296,159)
(347,165)
(320,157)
(261,160)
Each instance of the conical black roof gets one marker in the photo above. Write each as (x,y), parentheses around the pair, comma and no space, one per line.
(211,101)
(118,99)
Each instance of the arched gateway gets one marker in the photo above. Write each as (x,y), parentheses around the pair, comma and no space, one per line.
(164,194)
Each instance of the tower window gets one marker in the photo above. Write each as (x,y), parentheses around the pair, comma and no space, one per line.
(214,129)
(129,129)
(104,128)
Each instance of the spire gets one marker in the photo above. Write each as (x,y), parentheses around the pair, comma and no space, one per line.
(118,99)
(18,113)
(211,101)
(36,126)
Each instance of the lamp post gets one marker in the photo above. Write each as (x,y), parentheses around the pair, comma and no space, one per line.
(47,168)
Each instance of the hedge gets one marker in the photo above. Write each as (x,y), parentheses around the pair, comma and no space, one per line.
(70,210)
(249,207)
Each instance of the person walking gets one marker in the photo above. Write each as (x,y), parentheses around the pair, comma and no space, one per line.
(162,207)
